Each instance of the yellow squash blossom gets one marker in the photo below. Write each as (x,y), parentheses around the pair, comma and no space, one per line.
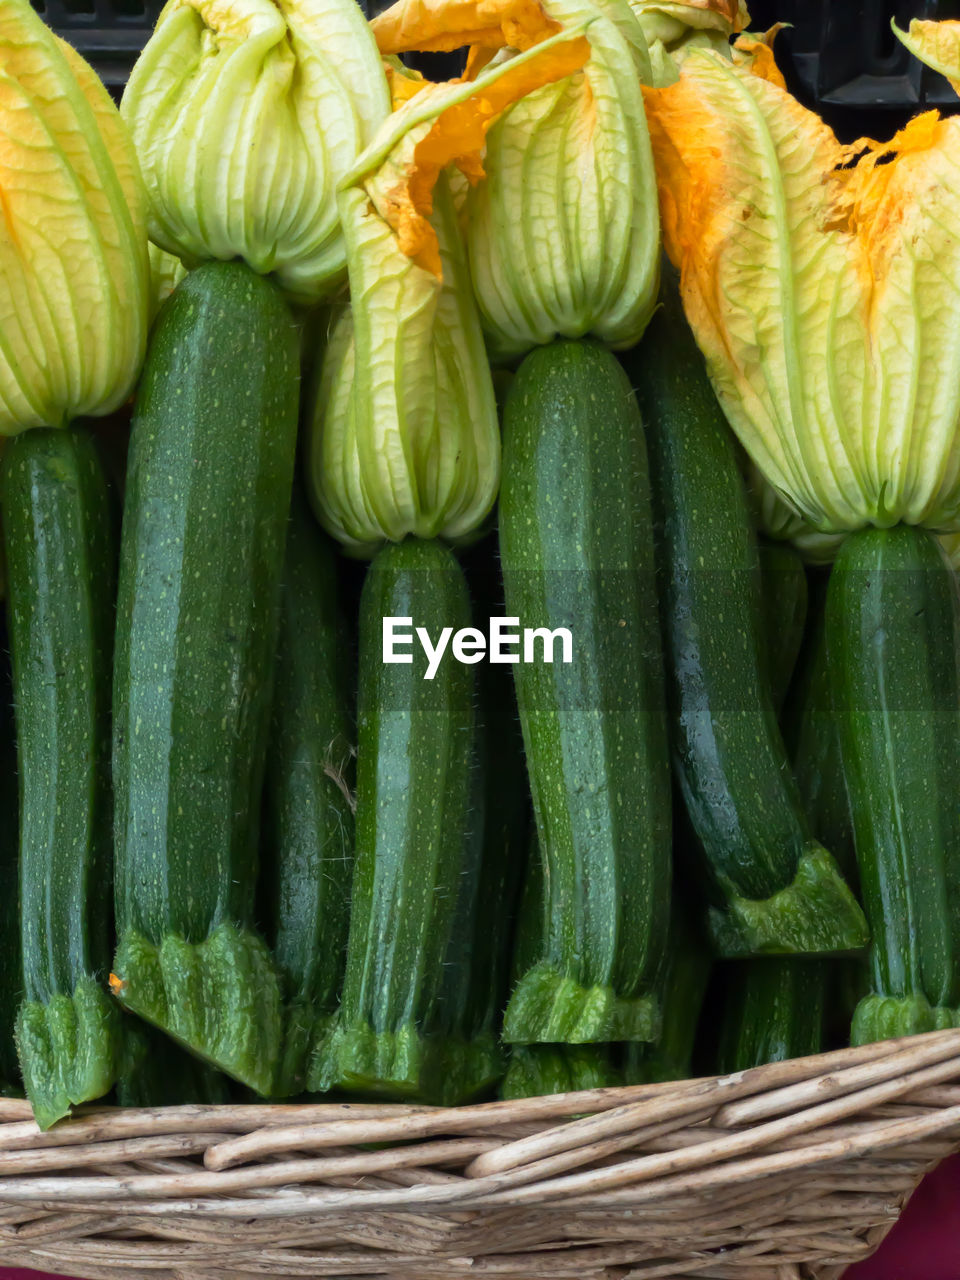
(822,282)
(562,234)
(935,43)
(246,115)
(73,245)
(404,434)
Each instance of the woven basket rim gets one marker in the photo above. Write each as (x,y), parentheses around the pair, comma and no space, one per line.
(783,1172)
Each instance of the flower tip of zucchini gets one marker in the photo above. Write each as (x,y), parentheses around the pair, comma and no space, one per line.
(246,115)
(442,125)
(755,190)
(74,253)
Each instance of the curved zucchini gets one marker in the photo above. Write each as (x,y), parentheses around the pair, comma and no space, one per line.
(893,640)
(776,888)
(415,744)
(308,796)
(58,535)
(576,544)
(205,513)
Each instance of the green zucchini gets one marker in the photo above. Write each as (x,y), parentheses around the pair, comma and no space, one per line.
(536,1070)
(810,729)
(773,1009)
(58,537)
(893,640)
(783,581)
(465,1057)
(205,513)
(687,967)
(576,544)
(156,1072)
(308,796)
(532,927)
(776,889)
(415,744)
(11,970)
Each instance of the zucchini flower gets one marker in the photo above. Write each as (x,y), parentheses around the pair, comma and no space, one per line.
(673,27)
(405,438)
(935,43)
(562,237)
(246,114)
(73,247)
(820,281)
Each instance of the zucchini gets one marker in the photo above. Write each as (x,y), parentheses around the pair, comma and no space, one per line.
(775,888)
(810,728)
(538,1069)
(60,550)
(893,631)
(783,582)
(686,974)
(308,796)
(415,744)
(205,512)
(773,1009)
(465,1056)
(576,544)
(11,970)
(156,1072)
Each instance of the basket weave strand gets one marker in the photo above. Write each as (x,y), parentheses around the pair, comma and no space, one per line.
(787,1172)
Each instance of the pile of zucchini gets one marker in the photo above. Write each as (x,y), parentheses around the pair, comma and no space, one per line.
(256,857)
(333,874)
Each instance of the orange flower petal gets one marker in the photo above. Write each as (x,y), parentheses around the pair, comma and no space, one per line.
(443,25)
(759,52)
(937,44)
(820,281)
(457,138)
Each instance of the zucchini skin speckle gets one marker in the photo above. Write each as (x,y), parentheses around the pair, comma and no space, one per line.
(576,543)
(205,517)
(61,570)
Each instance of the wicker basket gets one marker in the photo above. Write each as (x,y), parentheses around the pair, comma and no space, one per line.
(788,1171)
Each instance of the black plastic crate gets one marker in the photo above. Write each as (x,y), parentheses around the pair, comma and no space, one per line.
(109,33)
(842,59)
(840,56)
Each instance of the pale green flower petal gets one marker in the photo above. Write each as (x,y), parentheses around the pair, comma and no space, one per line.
(673,28)
(563,236)
(562,233)
(73,249)
(404,434)
(246,115)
